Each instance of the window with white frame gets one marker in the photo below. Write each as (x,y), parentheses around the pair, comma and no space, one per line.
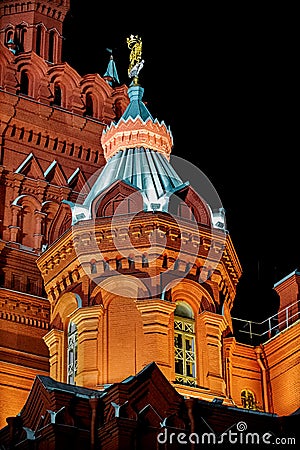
(248,399)
(184,343)
(72,352)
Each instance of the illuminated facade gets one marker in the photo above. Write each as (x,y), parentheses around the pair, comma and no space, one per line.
(128,274)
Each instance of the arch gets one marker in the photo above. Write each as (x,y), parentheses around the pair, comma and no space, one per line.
(89,104)
(61,222)
(24,83)
(25,198)
(26,219)
(119,198)
(66,305)
(52,45)
(22,38)
(189,291)
(206,305)
(248,399)
(184,344)
(94,85)
(57,95)
(120,285)
(49,208)
(183,309)
(35,68)
(40,39)
(9,34)
(68,80)
(188,204)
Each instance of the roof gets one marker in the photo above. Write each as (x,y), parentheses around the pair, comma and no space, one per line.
(52,385)
(136,107)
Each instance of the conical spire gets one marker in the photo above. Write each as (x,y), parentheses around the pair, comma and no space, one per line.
(137,150)
(111,74)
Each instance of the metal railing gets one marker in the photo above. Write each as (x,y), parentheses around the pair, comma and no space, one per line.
(258,332)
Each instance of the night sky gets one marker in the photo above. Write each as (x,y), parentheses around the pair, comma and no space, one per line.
(224,80)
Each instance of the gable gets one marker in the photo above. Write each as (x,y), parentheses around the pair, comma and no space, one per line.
(120,198)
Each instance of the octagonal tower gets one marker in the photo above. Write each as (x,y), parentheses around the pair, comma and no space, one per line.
(148,271)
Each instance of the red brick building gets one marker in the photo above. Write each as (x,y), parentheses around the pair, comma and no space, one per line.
(116,328)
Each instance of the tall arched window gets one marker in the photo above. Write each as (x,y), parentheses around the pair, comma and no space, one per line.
(72,352)
(184,343)
(51,46)
(89,107)
(38,46)
(248,399)
(22,34)
(57,95)
(24,83)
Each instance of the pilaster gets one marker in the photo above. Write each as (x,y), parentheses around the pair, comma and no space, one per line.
(156,327)
(54,341)
(87,322)
(211,326)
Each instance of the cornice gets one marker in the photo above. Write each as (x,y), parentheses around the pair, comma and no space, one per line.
(70,257)
(24,309)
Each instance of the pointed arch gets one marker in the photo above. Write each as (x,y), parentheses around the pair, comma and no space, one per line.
(188,204)
(49,208)
(120,198)
(60,224)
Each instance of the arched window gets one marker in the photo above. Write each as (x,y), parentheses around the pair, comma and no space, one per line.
(57,95)
(51,46)
(38,45)
(24,83)
(72,352)
(89,107)
(22,35)
(9,36)
(184,343)
(248,399)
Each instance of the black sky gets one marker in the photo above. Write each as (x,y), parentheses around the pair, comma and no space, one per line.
(228,73)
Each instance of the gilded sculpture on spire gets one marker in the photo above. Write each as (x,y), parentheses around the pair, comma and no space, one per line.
(136,62)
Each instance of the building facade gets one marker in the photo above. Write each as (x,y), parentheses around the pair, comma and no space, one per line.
(128,274)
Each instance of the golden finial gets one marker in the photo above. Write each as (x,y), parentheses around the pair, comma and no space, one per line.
(136,62)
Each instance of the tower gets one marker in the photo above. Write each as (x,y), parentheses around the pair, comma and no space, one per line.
(147,263)
(34,26)
(50,122)
(137,276)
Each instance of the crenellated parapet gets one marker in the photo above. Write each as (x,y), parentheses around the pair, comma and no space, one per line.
(136,133)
